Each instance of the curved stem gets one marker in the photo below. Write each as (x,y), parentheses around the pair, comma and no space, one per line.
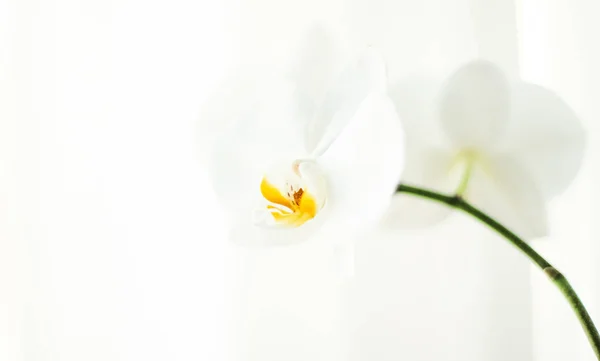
(555,276)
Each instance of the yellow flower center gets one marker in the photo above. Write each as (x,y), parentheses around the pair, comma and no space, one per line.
(297,201)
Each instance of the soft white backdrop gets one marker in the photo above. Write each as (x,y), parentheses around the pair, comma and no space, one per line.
(113,245)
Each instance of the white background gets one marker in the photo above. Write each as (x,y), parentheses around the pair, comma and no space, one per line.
(113,245)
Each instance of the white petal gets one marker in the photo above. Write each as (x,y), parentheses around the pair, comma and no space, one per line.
(505,191)
(429,155)
(364,164)
(314,72)
(415,99)
(365,76)
(474,105)
(547,136)
(428,168)
(268,129)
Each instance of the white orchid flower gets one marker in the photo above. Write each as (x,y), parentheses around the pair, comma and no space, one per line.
(504,145)
(309,150)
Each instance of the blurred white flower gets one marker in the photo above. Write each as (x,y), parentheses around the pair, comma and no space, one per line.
(504,145)
(311,148)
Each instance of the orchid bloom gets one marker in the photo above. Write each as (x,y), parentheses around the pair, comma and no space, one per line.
(504,145)
(308,149)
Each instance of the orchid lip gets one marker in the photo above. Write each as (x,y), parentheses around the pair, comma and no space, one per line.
(293,194)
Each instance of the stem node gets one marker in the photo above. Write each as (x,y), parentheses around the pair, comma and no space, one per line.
(553,273)
(456,200)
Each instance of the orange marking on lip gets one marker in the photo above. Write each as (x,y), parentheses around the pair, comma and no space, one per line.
(300,206)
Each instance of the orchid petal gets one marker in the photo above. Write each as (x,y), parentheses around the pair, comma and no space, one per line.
(474,105)
(267,130)
(315,68)
(364,164)
(547,136)
(428,155)
(428,168)
(365,76)
(504,190)
(415,99)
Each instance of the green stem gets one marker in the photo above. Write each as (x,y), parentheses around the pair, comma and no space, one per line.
(555,276)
